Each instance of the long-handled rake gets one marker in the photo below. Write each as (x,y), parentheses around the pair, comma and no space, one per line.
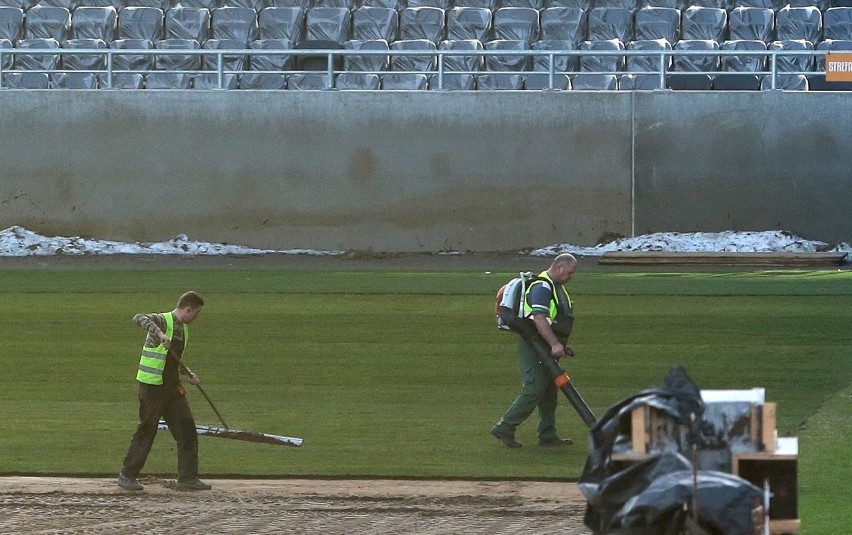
(225,431)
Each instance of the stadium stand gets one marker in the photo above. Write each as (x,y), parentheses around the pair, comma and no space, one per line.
(594,82)
(649,26)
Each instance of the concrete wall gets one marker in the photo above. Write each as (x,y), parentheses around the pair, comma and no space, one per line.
(421,171)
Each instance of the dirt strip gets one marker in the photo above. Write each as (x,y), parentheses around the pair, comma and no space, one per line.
(53,505)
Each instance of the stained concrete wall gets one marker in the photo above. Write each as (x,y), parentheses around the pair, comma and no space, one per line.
(415,171)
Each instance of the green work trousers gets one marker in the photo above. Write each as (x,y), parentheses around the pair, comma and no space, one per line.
(539,391)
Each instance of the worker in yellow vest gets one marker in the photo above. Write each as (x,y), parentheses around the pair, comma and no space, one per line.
(161,394)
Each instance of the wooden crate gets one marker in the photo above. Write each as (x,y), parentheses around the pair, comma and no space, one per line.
(780,469)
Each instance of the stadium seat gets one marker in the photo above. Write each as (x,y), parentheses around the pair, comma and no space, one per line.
(188,23)
(122,81)
(35,62)
(317,62)
(329,24)
(67,4)
(658,23)
(167,80)
(798,23)
(202,4)
(310,82)
(370,23)
(649,63)
(358,81)
(713,4)
(510,63)
(516,24)
(404,82)
(75,80)
(817,82)
(303,4)
(26,80)
(462,63)
(680,5)
(469,23)
(422,23)
(607,63)
(751,24)
(696,63)
(631,5)
(736,82)
(8,59)
(132,62)
(832,45)
(366,62)
(689,82)
(564,24)
(230,62)
(94,23)
(486,4)
(793,63)
(452,82)
(140,23)
(263,81)
(837,23)
(255,5)
(763,4)
(271,62)
(84,62)
(538,5)
(639,82)
(703,23)
(171,62)
(562,63)
(585,5)
(541,81)
(424,62)
(822,5)
(11,23)
(443,5)
(594,82)
(607,23)
(786,82)
(20,4)
(210,80)
(282,23)
(46,22)
(162,5)
(499,82)
(347,4)
(390,4)
(239,23)
(743,63)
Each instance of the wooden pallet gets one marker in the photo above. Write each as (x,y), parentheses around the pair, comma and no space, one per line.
(721,259)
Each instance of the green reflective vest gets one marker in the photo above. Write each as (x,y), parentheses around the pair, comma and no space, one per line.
(153,359)
(560,313)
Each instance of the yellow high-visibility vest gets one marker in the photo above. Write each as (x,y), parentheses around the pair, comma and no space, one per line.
(153,359)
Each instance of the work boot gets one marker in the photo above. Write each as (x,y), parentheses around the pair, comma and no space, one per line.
(555,442)
(195,484)
(128,483)
(506,438)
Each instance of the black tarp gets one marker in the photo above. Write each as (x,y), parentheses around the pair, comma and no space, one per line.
(653,496)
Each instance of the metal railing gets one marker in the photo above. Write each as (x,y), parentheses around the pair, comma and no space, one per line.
(438,58)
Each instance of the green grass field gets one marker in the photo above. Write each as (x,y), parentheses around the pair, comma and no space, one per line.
(403,374)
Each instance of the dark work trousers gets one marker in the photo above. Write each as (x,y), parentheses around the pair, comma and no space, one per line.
(157,402)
